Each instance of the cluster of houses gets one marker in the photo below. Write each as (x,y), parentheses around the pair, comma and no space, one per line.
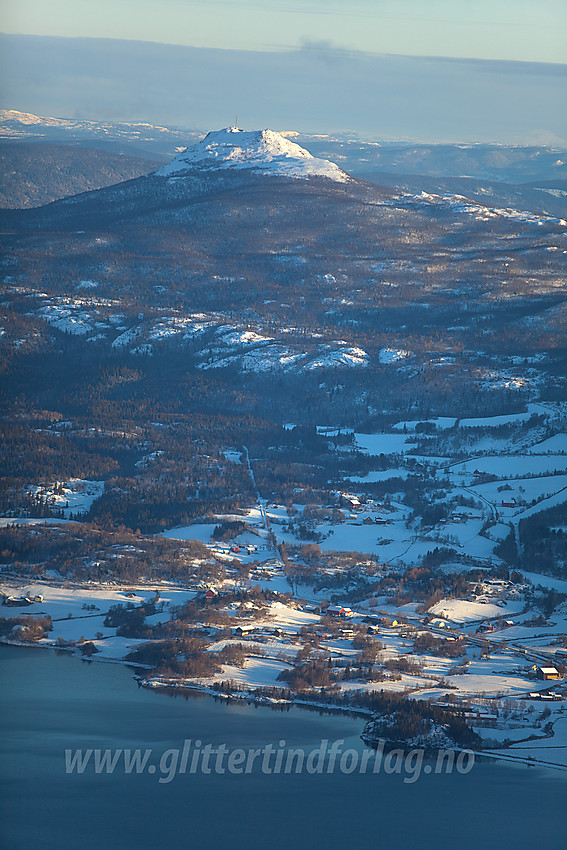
(458,517)
(236,548)
(497,591)
(21,601)
(354,504)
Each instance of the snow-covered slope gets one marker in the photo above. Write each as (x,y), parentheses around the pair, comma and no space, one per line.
(264,151)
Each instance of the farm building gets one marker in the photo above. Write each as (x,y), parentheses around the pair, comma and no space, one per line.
(548,673)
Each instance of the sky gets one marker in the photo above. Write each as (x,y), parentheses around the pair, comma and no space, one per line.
(522,30)
(422,70)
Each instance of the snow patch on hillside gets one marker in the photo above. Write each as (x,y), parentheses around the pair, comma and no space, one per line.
(72,497)
(461,204)
(392,355)
(66,320)
(331,357)
(126,338)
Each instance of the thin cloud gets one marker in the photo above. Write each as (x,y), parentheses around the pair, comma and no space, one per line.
(318,87)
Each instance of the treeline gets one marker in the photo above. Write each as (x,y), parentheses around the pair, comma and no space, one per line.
(86,551)
(398,719)
(425,585)
(427,644)
(410,717)
(543,539)
(25,628)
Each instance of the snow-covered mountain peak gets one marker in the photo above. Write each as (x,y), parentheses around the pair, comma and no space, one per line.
(264,151)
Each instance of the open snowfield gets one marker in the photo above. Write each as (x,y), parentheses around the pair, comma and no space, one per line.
(116,648)
(552,750)
(434,665)
(521,489)
(62,602)
(199,531)
(7,521)
(494,421)
(477,444)
(461,611)
(401,685)
(513,466)
(442,423)
(353,536)
(233,456)
(394,542)
(498,531)
(204,531)
(289,619)
(521,635)
(377,444)
(546,581)
(504,734)
(257,673)
(274,647)
(545,503)
(492,676)
(554,445)
(380,475)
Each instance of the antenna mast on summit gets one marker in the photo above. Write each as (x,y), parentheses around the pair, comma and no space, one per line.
(236,122)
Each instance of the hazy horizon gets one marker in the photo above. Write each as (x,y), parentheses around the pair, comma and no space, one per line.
(316,88)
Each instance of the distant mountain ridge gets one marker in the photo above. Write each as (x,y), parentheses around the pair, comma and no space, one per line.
(514,164)
(134,138)
(249,170)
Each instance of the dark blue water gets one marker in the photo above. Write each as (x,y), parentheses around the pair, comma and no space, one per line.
(51,702)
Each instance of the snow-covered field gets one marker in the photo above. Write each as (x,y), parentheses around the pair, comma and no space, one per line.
(74,618)
(6,521)
(461,611)
(257,673)
(377,444)
(548,750)
(514,466)
(553,445)
(382,475)
(199,531)
(523,490)
(441,423)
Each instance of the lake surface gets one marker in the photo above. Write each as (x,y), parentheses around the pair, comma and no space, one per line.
(51,702)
